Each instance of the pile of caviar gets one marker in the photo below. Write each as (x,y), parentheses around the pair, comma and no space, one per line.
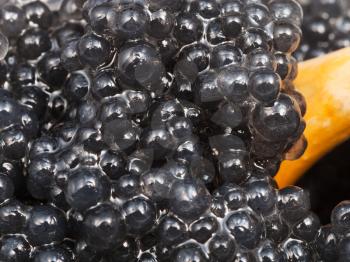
(151,130)
(326,27)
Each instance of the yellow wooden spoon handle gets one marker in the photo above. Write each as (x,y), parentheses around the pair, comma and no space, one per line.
(325,83)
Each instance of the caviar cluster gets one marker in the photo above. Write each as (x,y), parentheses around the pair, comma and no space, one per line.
(326,27)
(251,222)
(332,241)
(137,130)
(231,76)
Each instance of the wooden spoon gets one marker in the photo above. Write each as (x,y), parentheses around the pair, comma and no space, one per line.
(325,83)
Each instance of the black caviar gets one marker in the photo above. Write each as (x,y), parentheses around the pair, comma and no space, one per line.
(136,130)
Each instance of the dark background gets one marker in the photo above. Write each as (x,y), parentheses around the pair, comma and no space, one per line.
(329,181)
